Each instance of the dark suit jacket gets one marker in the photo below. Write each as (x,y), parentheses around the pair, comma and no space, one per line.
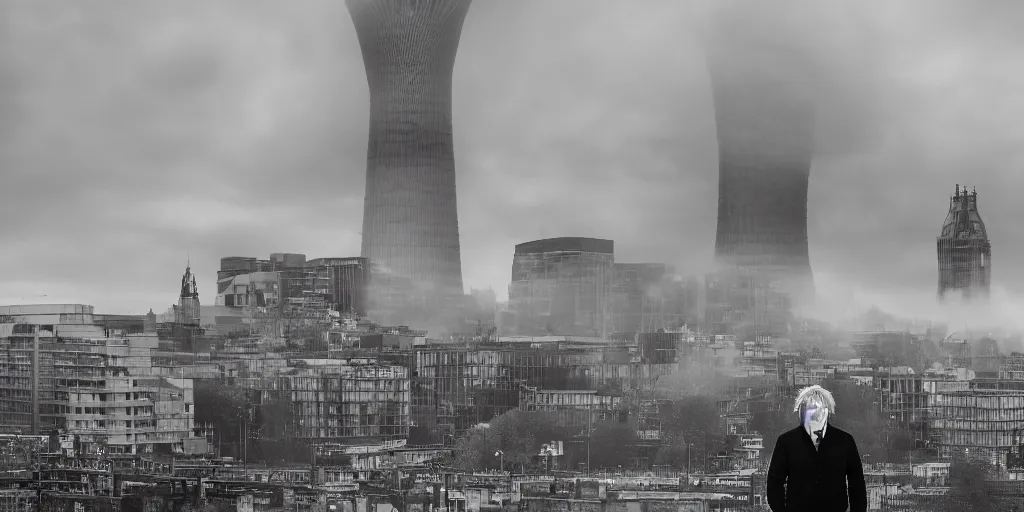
(801,479)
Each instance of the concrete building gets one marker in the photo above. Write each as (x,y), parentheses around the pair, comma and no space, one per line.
(765,113)
(260,289)
(461,386)
(104,390)
(236,265)
(964,250)
(975,423)
(347,282)
(346,402)
(579,410)
(410,219)
(562,286)
(339,282)
(49,314)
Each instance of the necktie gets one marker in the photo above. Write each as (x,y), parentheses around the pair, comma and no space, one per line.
(818,434)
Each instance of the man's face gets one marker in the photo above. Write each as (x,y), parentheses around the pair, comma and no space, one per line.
(815,413)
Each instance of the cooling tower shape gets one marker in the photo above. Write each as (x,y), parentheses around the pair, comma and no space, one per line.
(410,220)
(765,116)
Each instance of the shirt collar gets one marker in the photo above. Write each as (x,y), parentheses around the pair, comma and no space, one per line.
(807,428)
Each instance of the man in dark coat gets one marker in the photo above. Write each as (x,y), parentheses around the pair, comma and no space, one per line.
(816,467)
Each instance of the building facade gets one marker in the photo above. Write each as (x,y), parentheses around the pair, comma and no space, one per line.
(341,402)
(347,282)
(964,250)
(410,218)
(102,389)
(459,387)
(340,283)
(562,286)
(975,423)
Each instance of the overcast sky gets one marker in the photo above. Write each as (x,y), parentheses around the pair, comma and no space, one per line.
(136,135)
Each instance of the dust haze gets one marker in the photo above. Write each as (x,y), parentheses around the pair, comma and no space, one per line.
(239,128)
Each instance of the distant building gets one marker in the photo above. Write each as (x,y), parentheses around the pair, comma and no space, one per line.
(746,303)
(964,250)
(651,296)
(231,266)
(187,312)
(345,402)
(125,324)
(346,281)
(341,283)
(562,286)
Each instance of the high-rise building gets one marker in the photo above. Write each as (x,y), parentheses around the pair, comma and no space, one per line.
(765,114)
(410,221)
(965,253)
(562,286)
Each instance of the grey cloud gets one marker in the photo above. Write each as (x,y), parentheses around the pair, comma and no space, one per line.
(576,117)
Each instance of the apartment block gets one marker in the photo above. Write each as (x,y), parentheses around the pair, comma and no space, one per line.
(461,386)
(339,282)
(345,402)
(976,423)
(103,390)
(579,410)
(903,399)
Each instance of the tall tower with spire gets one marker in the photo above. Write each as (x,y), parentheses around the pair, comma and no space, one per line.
(187,310)
(964,250)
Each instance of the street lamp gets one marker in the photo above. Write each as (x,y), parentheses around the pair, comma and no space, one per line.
(501,458)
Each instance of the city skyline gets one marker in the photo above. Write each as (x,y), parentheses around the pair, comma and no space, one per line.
(150,190)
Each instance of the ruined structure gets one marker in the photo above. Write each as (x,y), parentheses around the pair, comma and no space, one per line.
(964,251)
(410,222)
(765,113)
(562,286)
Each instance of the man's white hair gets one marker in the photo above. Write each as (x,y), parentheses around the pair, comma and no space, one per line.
(817,394)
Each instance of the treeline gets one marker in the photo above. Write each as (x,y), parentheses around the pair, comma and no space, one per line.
(243,426)
(692,433)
